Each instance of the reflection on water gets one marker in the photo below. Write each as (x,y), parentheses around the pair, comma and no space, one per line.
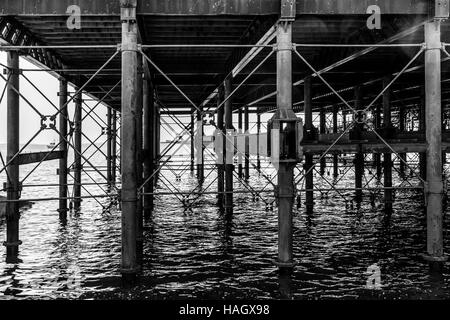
(207,254)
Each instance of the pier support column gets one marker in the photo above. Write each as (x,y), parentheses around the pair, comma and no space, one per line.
(220,153)
(114,149)
(359,157)
(377,156)
(402,156)
(12,242)
(433,112)
(258,130)
(229,166)
(62,171)
(157,144)
(422,116)
(388,199)
(200,147)
(335,131)
(286,189)
(148,115)
(108,148)
(129,266)
(139,161)
(323,130)
(191,133)
(240,149)
(387,166)
(344,119)
(247,143)
(309,178)
(77,166)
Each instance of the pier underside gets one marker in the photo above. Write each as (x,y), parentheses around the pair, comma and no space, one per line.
(187,67)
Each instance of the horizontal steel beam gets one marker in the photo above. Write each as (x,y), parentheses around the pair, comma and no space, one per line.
(367,148)
(359,7)
(211,7)
(408,142)
(35,157)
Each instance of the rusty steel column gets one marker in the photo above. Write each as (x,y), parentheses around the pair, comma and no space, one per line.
(309,178)
(247,143)
(433,110)
(200,147)
(323,130)
(359,157)
(220,153)
(148,115)
(387,165)
(77,166)
(335,131)
(129,265)
(12,242)
(62,171)
(139,160)
(285,188)
(229,166)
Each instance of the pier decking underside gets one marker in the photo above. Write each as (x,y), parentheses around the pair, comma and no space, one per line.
(199,71)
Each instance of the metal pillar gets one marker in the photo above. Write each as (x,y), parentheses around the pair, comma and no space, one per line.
(200,147)
(402,156)
(309,178)
(344,120)
(387,166)
(220,153)
(148,115)
(433,111)
(286,193)
(77,166)
(62,172)
(12,242)
(229,166)
(388,199)
(247,144)
(323,130)
(359,157)
(109,148)
(258,129)
(139,160)
(191,133)
(114,149)
(240,165)
(422,116)
(335,130)
(157,145)
(129,265)
(377,156)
